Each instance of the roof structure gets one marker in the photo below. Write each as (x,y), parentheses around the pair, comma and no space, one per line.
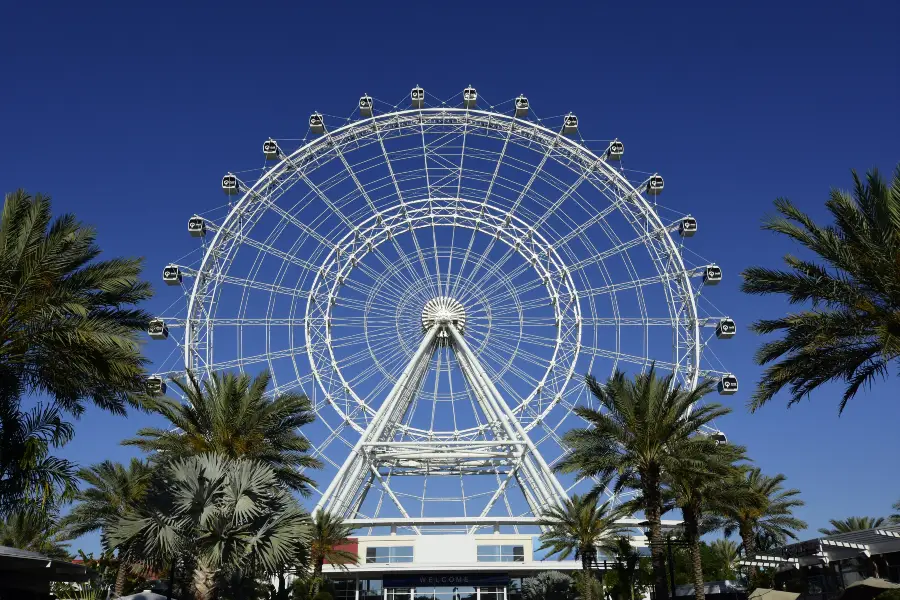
(840,546)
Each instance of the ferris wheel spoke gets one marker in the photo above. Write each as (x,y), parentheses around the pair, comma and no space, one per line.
(550,260)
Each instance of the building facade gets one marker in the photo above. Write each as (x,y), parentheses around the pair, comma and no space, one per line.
(439,567)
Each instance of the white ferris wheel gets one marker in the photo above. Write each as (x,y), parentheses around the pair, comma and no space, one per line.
(438,277)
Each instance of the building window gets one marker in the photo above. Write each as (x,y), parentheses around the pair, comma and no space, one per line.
(501,554)
(399,594)
(389,554)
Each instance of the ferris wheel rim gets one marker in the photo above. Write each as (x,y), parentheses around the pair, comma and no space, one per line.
(325,140)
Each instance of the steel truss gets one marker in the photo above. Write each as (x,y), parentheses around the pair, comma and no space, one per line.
(510,452)
(561,260)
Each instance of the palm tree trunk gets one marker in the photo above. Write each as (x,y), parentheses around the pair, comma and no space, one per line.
(204,580)
(653,512)
(587,576)
(121,574)
(692,533)
(317,575)
(746,531)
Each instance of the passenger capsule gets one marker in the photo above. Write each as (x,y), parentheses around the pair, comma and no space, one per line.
(687,227)
(615,151)
(417,96)
(726,329)
(365,106)
(719,437)
(316,123)
(728,385)
(570,124)
(470,97)
(156,386)
(271,149)
(157,329)
(230,185)
(172,275)
(655,185)
(712,275)
(521,106)
(196,226)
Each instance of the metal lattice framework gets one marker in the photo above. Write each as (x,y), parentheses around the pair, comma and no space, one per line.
(437,281)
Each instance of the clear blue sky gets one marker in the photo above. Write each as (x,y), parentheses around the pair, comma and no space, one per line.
(128,116)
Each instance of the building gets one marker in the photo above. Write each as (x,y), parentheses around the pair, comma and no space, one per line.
(823,567)
(27,575)
(440,567)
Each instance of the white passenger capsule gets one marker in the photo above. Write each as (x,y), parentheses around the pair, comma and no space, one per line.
(156,386)
(470,97)
(521,106)
(417,97)
(196,226)
(712,275)
(570,124)
(726,329)
(655,185)
(157,329)
(728,385)
(172,275)
(365,106)
(687,227)
(271,149)
(316,123)
(615,151)
(230,184)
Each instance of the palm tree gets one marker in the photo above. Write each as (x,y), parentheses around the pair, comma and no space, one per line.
(726,555)
(230,415)
(328,533)
(67,320)
(647,430)
(698,489)
(851,524)
(578,527)
(29,476)
(113,490)
(69,332)
(228,515)
(626,566)
(767,513)
(852,332)
(895,518)
(36,531)
(548,585)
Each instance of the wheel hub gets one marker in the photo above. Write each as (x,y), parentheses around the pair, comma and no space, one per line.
(444,310)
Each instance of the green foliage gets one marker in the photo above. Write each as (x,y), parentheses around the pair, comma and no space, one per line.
(29,476)
(70,332)
(647,429)
(230,415)
(68,325)
(227,515)
(895,518)
(888,595)
(578,527)
(851,333)
(112,490)
(768,513)
(630,576)
(851,524)
(36,531)
(328,532)
(720,562)
(548,585)
(322,595)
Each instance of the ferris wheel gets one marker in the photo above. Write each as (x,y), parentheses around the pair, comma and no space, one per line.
(438,277)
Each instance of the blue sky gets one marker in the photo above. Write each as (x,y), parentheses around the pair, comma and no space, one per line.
(128,117)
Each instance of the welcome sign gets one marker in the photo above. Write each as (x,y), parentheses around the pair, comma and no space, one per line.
(411,580)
